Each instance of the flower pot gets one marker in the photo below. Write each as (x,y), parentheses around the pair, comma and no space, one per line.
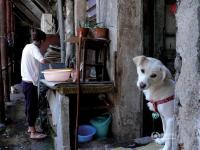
(82,32)
(100,33)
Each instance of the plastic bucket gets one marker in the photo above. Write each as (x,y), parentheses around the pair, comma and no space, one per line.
(101,123)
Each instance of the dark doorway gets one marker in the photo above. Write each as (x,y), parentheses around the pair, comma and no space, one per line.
(22,37)
(159,42)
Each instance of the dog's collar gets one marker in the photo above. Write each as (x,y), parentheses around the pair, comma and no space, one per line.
(162,101)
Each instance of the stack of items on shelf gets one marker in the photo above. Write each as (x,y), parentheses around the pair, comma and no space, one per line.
(53,54)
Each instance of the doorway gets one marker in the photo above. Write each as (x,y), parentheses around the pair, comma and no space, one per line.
(159,29)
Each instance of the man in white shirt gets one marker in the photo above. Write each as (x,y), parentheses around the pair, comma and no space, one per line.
(31,59)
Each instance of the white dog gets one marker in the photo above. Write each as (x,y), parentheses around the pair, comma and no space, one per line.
(155,80)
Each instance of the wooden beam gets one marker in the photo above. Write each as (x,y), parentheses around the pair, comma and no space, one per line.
(42,5)
(32,8)
(28,13)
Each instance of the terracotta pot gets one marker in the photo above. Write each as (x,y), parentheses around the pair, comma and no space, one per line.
(100,33)
(83,32)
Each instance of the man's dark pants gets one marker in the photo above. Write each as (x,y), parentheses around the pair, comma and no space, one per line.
(31,102)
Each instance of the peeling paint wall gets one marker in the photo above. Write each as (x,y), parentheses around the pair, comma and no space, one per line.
(188,85)
(105,14)
(79,11)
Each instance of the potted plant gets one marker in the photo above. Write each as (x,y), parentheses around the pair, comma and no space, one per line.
(82,29)
(100,31)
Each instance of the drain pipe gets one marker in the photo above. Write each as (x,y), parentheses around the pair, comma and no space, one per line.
(4,57)
(5,52)
(12,24)
(61,29)
(8,19)
(9,41)
(2,46)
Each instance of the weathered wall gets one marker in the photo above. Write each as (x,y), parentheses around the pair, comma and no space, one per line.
(69,28)
(128,108)
(126,38)
(105,14)
(79,11)
(188,85)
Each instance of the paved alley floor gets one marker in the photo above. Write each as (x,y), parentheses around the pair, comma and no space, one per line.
(15,136)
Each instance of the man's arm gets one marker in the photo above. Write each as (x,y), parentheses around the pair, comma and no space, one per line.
(44,61)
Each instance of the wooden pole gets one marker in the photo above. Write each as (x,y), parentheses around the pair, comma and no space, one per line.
(78,54)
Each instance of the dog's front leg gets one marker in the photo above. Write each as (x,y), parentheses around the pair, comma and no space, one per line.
(161,141)
(169,134)
(163,123)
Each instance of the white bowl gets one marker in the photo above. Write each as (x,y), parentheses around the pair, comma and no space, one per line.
(58,75)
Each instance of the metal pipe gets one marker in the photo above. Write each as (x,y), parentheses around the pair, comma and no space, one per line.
(61,30)
(4,55)
(12,28)
(2,44)
(9,45)
(8,17)
(12,23)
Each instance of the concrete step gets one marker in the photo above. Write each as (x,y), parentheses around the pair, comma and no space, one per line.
(150,146)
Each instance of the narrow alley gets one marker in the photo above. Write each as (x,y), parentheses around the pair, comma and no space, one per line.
(85,61)
(15,136)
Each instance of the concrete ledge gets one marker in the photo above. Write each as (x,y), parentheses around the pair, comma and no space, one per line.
(59,107)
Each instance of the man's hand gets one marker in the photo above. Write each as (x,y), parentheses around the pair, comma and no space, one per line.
(45,61)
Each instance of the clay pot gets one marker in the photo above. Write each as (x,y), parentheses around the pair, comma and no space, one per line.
(82,32)
(100,33)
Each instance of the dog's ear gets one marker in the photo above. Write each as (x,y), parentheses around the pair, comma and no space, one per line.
(138,60)
(166,73)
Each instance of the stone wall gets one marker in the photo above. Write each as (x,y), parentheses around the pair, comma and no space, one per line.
(188,85)
(124,19)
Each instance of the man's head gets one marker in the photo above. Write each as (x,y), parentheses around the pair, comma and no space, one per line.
(38,35)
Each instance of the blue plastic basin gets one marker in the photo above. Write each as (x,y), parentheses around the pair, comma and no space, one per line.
(85,133)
